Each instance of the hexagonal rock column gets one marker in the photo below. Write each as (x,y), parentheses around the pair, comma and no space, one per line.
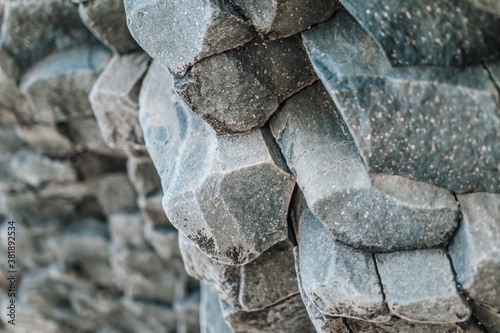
(337,279)
(238,90)
(283,18)
(211,319)
(419,286)
(57,88)
(475,249)
(114,99)
(228,194)
(438,33)
(179,33)
(409,121)
(106,20)
(372,212)
(261,283)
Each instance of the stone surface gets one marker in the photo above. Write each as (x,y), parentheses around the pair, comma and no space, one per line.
(152,210)
(419,286)
(377,212)
(337,279)
(45,140)
(261,283)
(283,18)
(143,176)
(475,249)
(491,6)
(86,137)
(441,33)
(178,33)
(238,90)
(286,316)
(164,240)
(114,98)
(106,189)
(106,20)
(488,318)
(421,122)
(396,325)
(13,107)
(57,88)
(228,194)
(493,68)
(211,319)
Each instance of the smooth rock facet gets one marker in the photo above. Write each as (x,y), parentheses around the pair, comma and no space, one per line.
(211,319)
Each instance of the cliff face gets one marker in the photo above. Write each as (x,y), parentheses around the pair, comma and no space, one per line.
(319,165)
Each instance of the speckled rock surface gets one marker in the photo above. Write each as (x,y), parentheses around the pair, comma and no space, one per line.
(489,318)
(419,286)
(399,326)
(405,120)
(238,90)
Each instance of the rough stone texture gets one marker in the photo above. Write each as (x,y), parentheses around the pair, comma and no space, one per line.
(13,108)
(107,187)
(400,326)
(45,140)
(261,283)
(373,212)
(475,249)
(114,98)
(106,20)
(57,88)
(488,318)
(211,319)
(419,286)
(491,6)
(337,279)
(493,68)
(283,18)
(238,90)
(86,137)
(441,33)
(178,33)
(228,194)
(152,210)
(143,176)
(286,316)
(424,123)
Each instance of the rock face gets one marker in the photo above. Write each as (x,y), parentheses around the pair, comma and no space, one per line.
(487,317)
(114,99)
(405,120)
(475,249)
(441,33)
(373,212)
(228,194)
(283,18)
(414,294)
(240,89)
(398,325)
(178,33)
(211,319)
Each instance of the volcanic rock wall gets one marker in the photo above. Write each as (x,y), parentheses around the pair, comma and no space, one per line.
(331,166)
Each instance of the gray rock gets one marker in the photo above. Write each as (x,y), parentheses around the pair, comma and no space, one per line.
(289,315)
(493,68)
(13,106)
(322,323)
(396,325)
(419,286)
(152,210)
(164,240)
(337,279)
(92,165)
(261,283)
(240,89)
(488,318)
(57,88)
(187,311)
(283,18)
(45,140)
(114,98)
(36,170)
(491,6)
(475,249)
(178,33)
(85,135)
(228,194)
(106,20)
(115,193)
(372,212)
(441,33)
(408,121)
(211,319)
(155,316)
(142,174)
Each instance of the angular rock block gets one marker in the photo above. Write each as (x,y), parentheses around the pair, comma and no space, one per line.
(372,212)
(45,140)
(86,137)
(143,176)
(179,33)
(438,33)
(211,319)
(420,122)
(487,317)
(187,310)
(261,283)
(106,20)
(13,106)
(115,193)
(283,18)
(419,286)
(164,240)
(152,210)
(32,29)
(146,317)
(114,98)
(240,89)
(289,315)
(228,194)
(475,249)
(91,165)
(57,88)
(396,325)
(337,279)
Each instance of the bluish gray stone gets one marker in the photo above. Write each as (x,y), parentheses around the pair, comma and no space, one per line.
(152,210)
(410,121)
(143,176)
(475,249)
(228,194)
(419,286)
(45,140)
(115,193)
(211,319)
